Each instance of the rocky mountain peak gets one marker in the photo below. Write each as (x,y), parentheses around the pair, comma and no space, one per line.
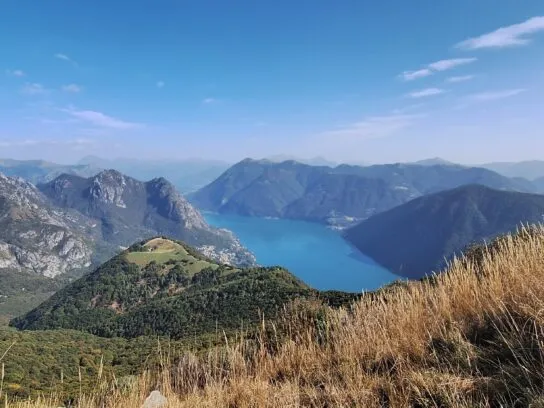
(110,176)
(124,210)
(171,204)
(109,186)
(34,236)
(19,193)
(162,185)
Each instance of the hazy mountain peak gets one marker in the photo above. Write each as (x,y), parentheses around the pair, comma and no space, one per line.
(433,161)
(314,161)
(249,160)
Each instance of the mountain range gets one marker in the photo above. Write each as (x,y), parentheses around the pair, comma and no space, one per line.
(416,238)
(527,169)
(63,228)
(341,195)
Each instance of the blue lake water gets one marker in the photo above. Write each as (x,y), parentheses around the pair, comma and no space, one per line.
(314,253)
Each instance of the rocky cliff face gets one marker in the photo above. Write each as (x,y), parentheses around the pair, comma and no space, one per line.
(36,237)
(72,224)
(125,210)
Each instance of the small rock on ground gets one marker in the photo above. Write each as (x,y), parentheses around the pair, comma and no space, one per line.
(155,400)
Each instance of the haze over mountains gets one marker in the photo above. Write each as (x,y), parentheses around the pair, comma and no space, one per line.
(531,170)
(186,174)
(314,161)
(40,171)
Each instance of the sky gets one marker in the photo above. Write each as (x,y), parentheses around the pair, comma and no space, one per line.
(350,80)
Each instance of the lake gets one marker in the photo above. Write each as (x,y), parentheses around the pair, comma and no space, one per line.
(314,253)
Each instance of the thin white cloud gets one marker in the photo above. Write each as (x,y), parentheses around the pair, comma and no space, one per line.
(99,119)
(73,88)
(160,84)
(66,58)
(376,127)
(509,36)
(411,75)
(209,101)
(437,66)
(16,73)
(494,95)
(444,65)
(426,92)
(33,89)
(462,78)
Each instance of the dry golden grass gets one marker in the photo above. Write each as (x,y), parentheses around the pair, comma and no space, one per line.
(471,337)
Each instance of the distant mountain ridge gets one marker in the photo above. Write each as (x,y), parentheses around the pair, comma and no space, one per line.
(529,169)
(433,161)
(41,171)
(415,238)
(338,196)
(314,161)
(186,174)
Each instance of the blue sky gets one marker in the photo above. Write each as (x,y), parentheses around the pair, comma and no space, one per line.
(372,81)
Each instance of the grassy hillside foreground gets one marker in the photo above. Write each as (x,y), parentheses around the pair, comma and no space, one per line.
(471,337)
